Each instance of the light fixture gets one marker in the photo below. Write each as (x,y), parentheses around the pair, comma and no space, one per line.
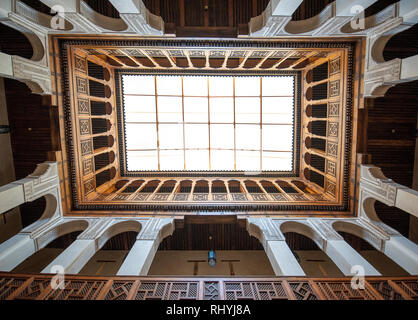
(212,258)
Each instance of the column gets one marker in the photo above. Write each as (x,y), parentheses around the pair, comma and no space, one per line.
(282,259)
(404,252)
(139,259)
(74,258)
(345,257)
(15,250)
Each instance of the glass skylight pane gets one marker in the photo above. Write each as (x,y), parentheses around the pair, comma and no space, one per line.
(221,110)
(133,84)
(141,136)
(169,85)
(170,109)
(197,135)
(221,86)
(277,86)
(277,161)
(197,159)
(222,136)
(142,160)
(195,86)
(277,137)
(139,108)
(247,110)
(195,109)
(247,137)
(248,160)
(170,136)
(222,159)
(277,110)
(247,86)
(210,132)
(171,160)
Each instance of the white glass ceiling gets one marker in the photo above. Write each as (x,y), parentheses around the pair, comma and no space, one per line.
(234,123)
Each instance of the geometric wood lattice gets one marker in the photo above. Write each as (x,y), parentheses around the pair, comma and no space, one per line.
(38,287)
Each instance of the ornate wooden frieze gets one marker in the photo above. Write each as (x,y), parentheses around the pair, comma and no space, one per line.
(87,166)
(330,167)
(83,106)
(334,88)
(81,85)
(333,109)
(80,64)
(89,186)
(85,127)
(335,66)
(86,147)
(332,129)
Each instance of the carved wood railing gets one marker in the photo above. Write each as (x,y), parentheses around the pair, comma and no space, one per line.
(15,286)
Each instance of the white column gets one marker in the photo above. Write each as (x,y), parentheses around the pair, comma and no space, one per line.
(139,259)
(404,252)
(15,250)
(282,259)
(345,257)
(74,258)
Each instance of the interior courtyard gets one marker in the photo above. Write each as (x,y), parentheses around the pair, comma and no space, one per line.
(208,149)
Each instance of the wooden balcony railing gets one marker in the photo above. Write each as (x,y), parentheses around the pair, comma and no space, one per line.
(15,286)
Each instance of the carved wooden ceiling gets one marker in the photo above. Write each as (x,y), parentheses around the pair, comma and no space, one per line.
(92,105)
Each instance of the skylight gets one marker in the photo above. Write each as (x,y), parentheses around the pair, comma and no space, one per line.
(208,123)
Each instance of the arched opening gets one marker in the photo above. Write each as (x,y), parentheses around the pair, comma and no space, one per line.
(237,253)
(302,186)
(51,247)
(120,184)
(100,125)
(393,217)
(318,127)
(103,142)
(185,186)
(114,247)
(313,261)
(306,245)
(286,187)
(103,160)
(234,186)
(353,235)
(201,186)
(167,186)
(133,186)
(13,42)
(100,108)
(218,186)
(317,110)
(252,187)
(315,143)
(105,176)
(269,187)
(97,71)
(150,186)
